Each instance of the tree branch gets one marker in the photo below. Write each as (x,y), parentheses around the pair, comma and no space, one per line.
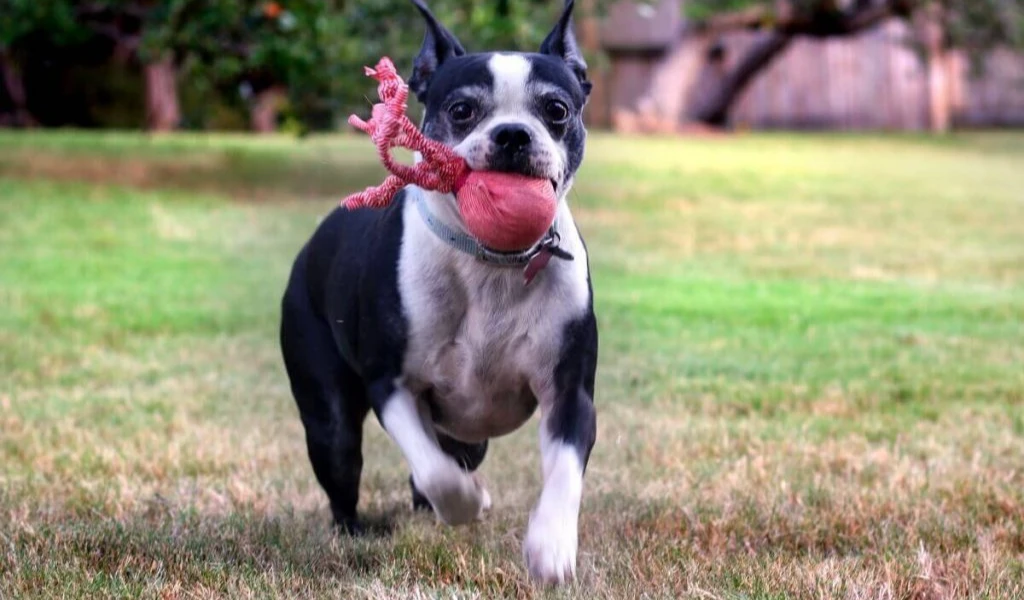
(100,8)
(868,18)
(750,18)
(716,111)
(819,21)
(10,78)
(821,25)
(784,24)
(114,33)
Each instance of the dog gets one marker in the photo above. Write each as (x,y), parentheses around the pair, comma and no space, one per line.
(400,311)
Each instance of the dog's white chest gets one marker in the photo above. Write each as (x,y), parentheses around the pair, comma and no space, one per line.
(482,347)
(480,367)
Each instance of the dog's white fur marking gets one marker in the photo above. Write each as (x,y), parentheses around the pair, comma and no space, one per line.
(457,496)
(550,544)
(487,347)
(511,98)
(485,344)
(511,77)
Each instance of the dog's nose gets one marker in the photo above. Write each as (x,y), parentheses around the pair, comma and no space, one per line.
(511,138)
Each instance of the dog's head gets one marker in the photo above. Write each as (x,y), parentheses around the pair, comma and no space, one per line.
(506,111)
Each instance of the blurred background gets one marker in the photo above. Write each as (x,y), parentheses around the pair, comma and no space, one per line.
(805,228)
(659,66)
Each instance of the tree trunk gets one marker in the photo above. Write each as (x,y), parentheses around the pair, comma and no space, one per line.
(10,78)
(162,110)
(596,111)
(716,111)
(940,109)
(956,73)
(265,107)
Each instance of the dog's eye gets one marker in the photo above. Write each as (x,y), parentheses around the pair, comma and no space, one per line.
(461,112)
(557,111)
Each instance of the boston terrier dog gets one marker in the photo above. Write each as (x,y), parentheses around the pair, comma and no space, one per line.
(402,311)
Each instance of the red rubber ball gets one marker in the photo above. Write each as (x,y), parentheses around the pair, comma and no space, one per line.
(506,211)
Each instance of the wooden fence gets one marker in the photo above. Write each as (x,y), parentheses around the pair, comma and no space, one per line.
(873,81)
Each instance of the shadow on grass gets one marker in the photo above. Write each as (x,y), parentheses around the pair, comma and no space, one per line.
(195,547)
(239,173)
(251,552)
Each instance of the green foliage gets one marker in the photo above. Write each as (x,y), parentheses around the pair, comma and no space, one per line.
(354,34)
(314,48)
(21,18)
(982,24)
(703,9)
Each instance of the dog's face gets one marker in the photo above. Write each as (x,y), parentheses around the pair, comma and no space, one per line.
(511,112)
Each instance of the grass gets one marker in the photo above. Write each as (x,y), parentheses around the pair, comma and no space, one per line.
(811,380)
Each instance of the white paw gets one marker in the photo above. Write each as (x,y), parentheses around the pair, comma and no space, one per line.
(487,496)
(457,497)
(550,549)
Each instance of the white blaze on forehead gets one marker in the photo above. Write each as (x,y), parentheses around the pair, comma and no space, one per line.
(512,99)
(511,74)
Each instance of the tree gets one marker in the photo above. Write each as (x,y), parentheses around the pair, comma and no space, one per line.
(63,27)
(362,32)
(303,56)
(20,28)
(972,25)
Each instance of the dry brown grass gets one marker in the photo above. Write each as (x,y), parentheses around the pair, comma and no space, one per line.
(677,506)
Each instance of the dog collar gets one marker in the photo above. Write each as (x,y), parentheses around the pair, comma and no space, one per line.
(534,259)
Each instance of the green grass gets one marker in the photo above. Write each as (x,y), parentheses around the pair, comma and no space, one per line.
(811,380)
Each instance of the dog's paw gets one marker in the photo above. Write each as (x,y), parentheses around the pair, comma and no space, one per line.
(487,498)
(550,549)
(457,497)
(350,526)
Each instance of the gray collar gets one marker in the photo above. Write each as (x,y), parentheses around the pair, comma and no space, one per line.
(466,243)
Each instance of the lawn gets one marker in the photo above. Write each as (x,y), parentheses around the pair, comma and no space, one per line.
(811,380)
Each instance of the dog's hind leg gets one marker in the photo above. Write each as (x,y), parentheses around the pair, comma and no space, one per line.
(332,403)
(469,457)
(334,443)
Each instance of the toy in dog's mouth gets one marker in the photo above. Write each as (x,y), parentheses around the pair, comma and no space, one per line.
(506,212)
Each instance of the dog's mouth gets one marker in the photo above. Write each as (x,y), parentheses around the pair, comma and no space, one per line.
(521,164)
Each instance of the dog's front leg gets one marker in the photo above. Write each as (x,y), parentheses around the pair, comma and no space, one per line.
(567,432)
(457,496)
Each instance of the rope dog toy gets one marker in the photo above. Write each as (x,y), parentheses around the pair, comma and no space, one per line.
(504,211)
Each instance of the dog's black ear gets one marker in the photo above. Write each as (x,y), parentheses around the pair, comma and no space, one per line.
(439,45)
(561,42)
